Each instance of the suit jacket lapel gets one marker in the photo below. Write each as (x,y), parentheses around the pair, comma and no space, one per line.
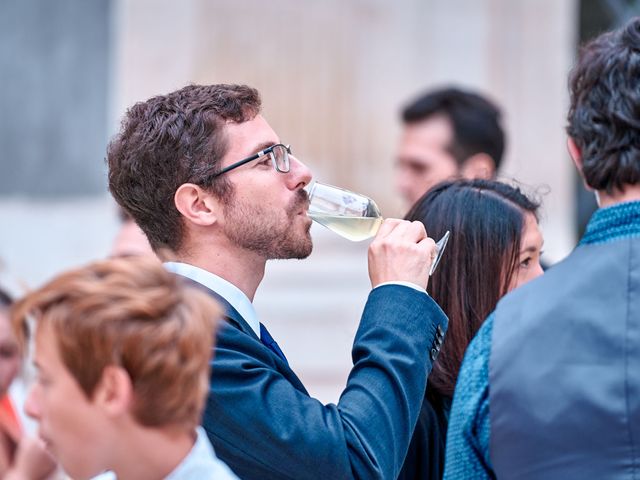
(235,319)
(231,314)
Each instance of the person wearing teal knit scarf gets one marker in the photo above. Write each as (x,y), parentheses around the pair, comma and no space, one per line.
(550,386)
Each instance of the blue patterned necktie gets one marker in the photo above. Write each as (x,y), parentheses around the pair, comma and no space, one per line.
(267,339)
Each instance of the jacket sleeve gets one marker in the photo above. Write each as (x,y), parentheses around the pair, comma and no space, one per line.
(266,428)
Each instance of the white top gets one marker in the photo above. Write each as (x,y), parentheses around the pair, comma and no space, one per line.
(200,463)
(227,290)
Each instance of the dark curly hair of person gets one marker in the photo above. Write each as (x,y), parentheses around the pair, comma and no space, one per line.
(604,116)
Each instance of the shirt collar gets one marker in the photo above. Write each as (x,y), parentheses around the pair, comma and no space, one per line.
(227,290)
(200,459)
(613,223)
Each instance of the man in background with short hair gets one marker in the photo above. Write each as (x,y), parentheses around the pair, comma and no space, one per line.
(447,133)
(130,239)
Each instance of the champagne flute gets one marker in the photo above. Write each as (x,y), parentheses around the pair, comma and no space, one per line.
(352,216)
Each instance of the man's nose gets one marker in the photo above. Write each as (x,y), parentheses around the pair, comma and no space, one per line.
(299,174)
(404,184)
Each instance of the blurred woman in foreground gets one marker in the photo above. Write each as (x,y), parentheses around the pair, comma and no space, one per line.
(21,457)
(494,247)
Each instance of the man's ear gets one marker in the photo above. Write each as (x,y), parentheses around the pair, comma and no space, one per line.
(576,156)
(114,392)
(480,165)
(196,205)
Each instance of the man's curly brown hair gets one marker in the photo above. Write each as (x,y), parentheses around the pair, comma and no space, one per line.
(169,140)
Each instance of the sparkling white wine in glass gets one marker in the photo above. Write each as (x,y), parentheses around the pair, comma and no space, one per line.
(351,228)
(351,215)
(348,214)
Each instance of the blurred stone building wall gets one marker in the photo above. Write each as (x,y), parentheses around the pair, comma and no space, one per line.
(333,76)
(54,100)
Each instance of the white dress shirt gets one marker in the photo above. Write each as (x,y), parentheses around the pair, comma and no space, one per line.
(200,463)
(227,290)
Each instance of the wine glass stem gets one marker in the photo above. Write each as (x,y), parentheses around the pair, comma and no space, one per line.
(440,247)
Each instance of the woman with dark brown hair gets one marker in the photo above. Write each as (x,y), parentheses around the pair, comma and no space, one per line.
(494,247)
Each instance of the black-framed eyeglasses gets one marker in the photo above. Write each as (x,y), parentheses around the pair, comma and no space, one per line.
(278,153)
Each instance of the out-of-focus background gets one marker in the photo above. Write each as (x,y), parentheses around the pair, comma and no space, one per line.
(333,76)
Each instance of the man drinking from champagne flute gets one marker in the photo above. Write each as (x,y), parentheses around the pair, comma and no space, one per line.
(206,178)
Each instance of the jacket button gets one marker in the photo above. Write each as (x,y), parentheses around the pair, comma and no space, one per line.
(434,354)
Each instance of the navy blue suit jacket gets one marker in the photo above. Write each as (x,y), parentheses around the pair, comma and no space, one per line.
(264,425)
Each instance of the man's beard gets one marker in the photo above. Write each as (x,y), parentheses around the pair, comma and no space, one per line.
(263,231)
